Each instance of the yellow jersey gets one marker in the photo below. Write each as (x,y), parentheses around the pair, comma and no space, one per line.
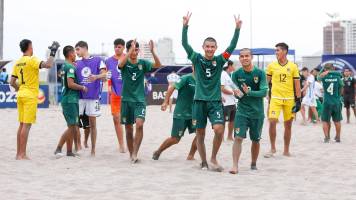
(282,78)
(26,70)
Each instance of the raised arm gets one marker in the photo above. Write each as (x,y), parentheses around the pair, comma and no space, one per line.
(157,62)
(50,60)
(123,59)
(234,39)
(185,43)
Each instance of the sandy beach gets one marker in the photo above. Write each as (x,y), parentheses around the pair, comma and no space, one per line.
(316,170)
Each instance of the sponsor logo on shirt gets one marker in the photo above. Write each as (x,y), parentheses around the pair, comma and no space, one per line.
(288,69)
(255,79)
(86,72)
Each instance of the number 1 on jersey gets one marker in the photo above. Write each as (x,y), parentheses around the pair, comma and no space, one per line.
(22,78)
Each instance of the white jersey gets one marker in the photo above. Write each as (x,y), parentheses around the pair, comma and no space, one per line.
(318,89)
(310,93)
(173,78)
(228,84)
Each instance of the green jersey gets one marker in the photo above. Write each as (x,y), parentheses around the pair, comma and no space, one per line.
(208,72)
(332,85)
(69,95)
(251,104)
(184,104)
(133,78)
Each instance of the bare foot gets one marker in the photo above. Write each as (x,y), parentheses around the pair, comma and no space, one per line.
(270,154)
(79,147)
(25,157)
(287,154)
(230,139)
(214,166)
(122,149)
(18,157)
(134,160)
(92,153)
(234,170)
(86,145)
(190,157)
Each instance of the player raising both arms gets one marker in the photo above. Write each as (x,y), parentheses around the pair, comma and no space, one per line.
(207,98)
(133,105)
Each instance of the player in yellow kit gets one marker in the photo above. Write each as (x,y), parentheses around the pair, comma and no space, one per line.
(25,80)
(285,96)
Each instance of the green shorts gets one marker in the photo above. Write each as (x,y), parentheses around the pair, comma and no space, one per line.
(130,111)
(207,109)
(331,111)
(71,113)
(242,124)
(180,125)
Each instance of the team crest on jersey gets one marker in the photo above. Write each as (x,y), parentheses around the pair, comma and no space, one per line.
(71,71)
(140,67)
(255,79)
(214,63)
(237,130)
(180,133)
(86,72)
(288,69)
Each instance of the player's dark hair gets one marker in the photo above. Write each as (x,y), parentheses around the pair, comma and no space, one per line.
(128,45)
(230,63)
(328,66)
(283,46)
(119,41)
(305,69)
(317,69)
(25,44)
(210,39)
(246,49)
(66,50)
(346,68)
(82,44)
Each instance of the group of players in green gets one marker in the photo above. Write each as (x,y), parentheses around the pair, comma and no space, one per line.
(199,98)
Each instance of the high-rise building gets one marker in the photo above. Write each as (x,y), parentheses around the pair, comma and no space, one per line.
(344,37)
(350,32)
(339,38)
(164,50)
(1,28)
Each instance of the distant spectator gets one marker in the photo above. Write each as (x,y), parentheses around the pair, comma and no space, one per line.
(152,79)
(3,76)
(172,78)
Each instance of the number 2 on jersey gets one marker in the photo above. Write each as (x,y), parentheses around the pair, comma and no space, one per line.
(330,89)
(133,76)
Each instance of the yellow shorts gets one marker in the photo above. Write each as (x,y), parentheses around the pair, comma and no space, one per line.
(27,108)
(276,105)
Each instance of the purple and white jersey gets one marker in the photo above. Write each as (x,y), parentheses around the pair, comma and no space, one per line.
(86,67)
(116,79)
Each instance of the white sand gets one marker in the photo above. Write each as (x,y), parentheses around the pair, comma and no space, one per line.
(316,171)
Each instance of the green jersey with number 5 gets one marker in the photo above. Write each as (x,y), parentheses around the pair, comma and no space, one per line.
(332,85)
(133,78)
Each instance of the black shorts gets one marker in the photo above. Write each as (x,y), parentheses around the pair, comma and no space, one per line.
(84,121)
(229,113)
(349,101)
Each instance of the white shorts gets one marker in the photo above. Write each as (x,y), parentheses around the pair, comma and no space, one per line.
(311,102)
(174,95)
(90,106)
